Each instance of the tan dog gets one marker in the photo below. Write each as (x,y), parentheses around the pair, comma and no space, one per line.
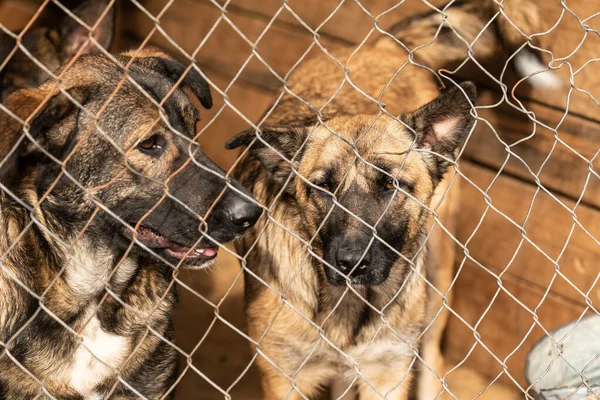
(342,197)
(351,203)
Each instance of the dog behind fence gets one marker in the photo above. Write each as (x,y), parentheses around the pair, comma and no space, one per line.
(360,276)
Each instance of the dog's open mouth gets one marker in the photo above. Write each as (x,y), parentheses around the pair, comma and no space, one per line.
(155,241)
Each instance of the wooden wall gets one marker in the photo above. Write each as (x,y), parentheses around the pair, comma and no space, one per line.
(518,290)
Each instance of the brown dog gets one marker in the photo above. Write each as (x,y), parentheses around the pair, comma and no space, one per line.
(351,296)
(102,201)
(79,304)
(335,277)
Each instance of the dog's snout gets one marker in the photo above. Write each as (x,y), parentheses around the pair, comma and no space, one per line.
(243,213)
(349,259)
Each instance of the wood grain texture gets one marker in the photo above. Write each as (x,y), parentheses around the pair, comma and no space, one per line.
(558,145)
(234,41)
(506,328)
(495,243)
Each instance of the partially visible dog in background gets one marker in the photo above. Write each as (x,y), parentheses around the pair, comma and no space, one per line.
(52,46)
(331,188)
(94,223)
(490,34)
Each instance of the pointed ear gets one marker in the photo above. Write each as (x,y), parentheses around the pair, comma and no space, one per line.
(282,145)
(443,124)
(73,35)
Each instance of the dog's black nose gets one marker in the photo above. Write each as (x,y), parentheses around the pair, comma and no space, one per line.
(347,259)
(244,213)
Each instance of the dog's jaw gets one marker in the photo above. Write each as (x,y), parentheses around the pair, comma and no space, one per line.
(195,256)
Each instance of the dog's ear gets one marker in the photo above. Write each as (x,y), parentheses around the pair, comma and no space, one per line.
(50,126)
(192,80)
(146,66)
(276,149)
(73,35)
(443,124)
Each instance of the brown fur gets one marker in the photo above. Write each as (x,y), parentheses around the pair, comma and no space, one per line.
(87,292)
(279,266)
(437,46)
(286,266)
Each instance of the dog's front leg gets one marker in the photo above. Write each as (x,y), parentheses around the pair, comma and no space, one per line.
(367,393)
(391,383)
(305,384)
(340,391)
(279,388)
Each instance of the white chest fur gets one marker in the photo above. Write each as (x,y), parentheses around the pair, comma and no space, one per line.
(99,356)
(388,352)
(88,268)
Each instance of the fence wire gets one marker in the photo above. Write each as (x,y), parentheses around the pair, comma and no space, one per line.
(189,368)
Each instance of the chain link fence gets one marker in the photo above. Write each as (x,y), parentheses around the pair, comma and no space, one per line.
(517,252)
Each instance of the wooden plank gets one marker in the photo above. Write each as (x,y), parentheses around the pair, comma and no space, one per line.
(564,171)
(14,14)
(506,328)
(188,23)
(496,242)
(336,20)
(223,354)
(220,126)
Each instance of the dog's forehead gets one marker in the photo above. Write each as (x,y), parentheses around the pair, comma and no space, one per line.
(361,151)
(383,135)
(126,99)
(372,137)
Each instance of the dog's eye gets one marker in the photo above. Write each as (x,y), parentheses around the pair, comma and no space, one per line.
(154,145)
(389,185)
(323,185)
(407,186)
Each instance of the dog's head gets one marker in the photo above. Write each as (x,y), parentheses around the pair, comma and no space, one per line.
(373,174)
(128,164)
(52,46)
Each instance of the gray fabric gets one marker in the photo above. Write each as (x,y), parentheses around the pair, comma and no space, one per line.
(580,356)
(571,394)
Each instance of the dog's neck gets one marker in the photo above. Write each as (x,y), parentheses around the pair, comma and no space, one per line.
(90,268)
(77,264)
(40,264)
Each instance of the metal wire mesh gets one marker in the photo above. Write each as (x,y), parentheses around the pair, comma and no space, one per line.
(543,195)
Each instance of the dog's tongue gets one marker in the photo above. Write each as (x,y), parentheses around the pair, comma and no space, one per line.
(207,251)
(181,252)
